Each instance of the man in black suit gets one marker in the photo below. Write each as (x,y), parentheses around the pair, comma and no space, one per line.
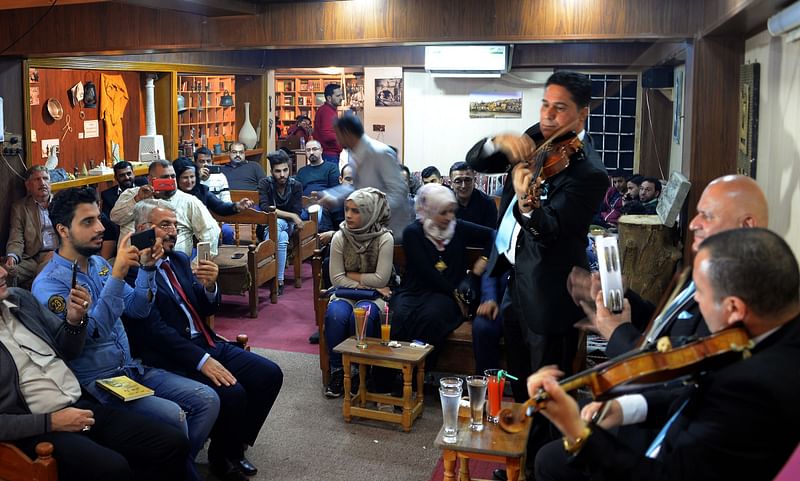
(123,174)
(541,245)
(176,337)
(738,421)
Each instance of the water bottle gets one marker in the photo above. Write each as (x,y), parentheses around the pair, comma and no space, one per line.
(302,143)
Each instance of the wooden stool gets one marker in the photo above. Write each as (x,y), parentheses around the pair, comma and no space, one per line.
(492,444)
(404,358)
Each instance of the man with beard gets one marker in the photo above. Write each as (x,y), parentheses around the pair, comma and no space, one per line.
(473,205)
(317,175)
(31,239)
(217,183)
(194,219)
(324,122)
(242,174)
(176,337)
(541,237)
(188,405)
(286,194)
(123,174)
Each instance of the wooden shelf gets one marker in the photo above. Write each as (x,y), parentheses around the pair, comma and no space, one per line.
(302,101)
(203,115)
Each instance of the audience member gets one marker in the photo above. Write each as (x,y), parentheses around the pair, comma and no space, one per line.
(715,428)
(413,183)
(317,175)
(375,166)
(473,205)
(300,130)
(31,237)
(242,174)
(325,120)
(285,194)
(539,238)
(188,405)
(42,400)
(426,306)
(611,210)
(632,185)
(176,337)
(431,174)
(361,257)
(649,193)
(194,219)
(123,175)
(216,182)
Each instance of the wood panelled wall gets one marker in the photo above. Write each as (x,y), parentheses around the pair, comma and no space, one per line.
(112,27)
(74,152)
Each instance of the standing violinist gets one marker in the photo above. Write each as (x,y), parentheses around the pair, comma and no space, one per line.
(541,243)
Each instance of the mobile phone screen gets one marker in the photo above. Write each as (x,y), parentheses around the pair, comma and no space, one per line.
(74,274)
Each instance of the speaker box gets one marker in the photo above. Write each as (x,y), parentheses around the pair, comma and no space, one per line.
(657,78)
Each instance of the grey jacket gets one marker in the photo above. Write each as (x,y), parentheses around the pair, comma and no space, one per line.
(16,420)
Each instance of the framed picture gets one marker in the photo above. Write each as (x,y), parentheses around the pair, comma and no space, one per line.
(503,105)
(748,119)
(388,92)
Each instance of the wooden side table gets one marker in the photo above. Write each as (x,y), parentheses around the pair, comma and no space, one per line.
(492,444)
(404,358)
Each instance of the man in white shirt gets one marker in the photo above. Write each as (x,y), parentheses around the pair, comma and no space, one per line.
(216,182)
(194,219)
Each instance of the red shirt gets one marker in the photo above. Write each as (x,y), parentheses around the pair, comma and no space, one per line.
(323,129)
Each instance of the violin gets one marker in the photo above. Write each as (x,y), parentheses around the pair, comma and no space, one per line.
(551,157)
(635,371)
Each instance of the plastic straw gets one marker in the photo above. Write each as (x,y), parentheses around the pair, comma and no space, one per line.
(364,324)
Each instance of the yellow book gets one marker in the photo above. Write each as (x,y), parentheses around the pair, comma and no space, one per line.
(124,388)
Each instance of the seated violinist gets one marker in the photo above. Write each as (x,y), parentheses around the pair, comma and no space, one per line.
(738,420)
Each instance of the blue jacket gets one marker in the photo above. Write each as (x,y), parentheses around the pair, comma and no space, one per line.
(106,351)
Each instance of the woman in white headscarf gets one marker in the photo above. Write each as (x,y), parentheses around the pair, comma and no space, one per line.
(426,306)
(361,258)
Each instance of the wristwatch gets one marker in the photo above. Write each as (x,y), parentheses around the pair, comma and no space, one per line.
(75,329)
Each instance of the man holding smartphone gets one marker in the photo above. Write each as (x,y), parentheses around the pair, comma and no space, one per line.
(194,219)
(176,337)
(211,175)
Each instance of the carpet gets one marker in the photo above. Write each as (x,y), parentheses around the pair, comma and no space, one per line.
(284,326)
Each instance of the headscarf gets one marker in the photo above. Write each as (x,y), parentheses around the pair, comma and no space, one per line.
(181,165)
(375,214)
(431,200)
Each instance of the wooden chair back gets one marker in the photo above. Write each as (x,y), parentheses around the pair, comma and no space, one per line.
(305,241)
(16,466)
(249,264)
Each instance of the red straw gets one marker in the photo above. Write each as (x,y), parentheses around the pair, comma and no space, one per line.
(364,324)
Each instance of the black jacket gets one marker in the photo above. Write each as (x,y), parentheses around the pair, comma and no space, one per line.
(212,202)
(553,240)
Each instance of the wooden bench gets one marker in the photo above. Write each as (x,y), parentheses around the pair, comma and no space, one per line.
(455,356)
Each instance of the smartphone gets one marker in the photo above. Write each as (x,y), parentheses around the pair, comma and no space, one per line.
(214,169)
(203,251)
(164,185)
(75,273)
(143,240)
(238,255)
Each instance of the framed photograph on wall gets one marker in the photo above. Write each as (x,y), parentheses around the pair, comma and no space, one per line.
(388,92)
(490,105)
(748,119)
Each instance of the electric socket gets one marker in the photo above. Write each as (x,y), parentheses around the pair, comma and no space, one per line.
(12,151)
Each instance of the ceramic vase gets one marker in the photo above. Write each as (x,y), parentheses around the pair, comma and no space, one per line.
(247,134)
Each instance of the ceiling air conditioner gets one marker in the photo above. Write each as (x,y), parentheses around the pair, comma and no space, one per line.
(467,60)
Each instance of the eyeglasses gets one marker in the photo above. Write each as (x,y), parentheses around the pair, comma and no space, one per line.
(167,226)
(463,181)
(313,149)
(237,151)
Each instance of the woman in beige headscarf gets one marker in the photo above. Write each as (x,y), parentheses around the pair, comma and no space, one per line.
(361,257)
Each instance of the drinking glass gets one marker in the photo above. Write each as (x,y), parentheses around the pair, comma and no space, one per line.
(450,393)
(476,385)
(386,328)
(361,327)
(494,394)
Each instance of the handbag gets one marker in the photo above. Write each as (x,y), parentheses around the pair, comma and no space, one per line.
(355,294)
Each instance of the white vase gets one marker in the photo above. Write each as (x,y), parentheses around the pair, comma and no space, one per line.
(247,134)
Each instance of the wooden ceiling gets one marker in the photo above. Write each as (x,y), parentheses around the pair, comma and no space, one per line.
(209,8)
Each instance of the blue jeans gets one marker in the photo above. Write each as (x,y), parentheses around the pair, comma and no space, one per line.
(190,406)
(227,234)
(284,231)
(340,323)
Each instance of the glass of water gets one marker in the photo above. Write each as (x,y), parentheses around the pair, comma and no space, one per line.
(450,392)
(476,385)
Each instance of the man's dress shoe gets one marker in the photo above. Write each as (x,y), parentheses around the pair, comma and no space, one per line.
(246,467)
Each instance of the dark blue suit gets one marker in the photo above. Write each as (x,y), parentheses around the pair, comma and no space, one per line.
(164,340)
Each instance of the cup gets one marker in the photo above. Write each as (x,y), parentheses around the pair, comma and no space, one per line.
(361,327)
(386,328)
(476,386)
(217,149)
(494,394)
(450,393)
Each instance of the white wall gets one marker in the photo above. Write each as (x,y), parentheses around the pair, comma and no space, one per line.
(438,129)
(778,161)
(391,117)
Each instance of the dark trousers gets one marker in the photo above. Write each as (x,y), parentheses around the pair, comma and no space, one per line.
(122,445)
(526,353)
(245,405)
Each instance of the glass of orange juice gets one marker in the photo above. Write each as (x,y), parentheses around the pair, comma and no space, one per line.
(386,327)
(361,327)
(494,394)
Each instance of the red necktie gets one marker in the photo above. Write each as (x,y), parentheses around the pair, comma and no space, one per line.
(198,323)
